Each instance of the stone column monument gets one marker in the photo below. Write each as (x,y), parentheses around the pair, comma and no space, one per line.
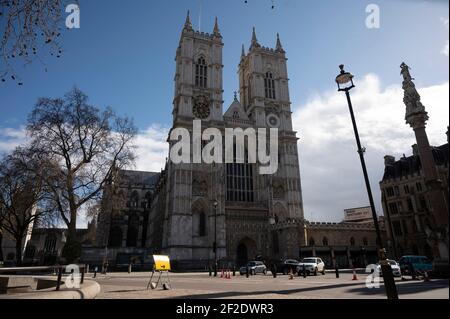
(416,117)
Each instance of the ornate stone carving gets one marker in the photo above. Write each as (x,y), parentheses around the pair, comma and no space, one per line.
(414,106)
(199,185)
(201,108)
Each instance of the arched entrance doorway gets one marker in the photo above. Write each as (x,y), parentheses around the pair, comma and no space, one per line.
(246,251)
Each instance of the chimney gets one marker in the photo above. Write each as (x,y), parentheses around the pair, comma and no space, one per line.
(415,150)
(389,160)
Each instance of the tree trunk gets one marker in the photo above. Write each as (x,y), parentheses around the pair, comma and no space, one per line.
(19,251)
(1,245)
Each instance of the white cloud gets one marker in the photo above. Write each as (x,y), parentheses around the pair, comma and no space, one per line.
(152,148)
(331,173)
(11,138)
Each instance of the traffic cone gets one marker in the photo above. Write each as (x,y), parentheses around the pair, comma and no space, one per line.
(228,274)
(222,274)
(354,275)
(291,275)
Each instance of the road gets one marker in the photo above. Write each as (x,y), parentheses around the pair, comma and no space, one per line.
(200,285)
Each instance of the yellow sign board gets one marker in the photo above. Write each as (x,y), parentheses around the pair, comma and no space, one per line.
(162,263)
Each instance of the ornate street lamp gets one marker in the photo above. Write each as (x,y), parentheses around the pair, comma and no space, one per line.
(345,83)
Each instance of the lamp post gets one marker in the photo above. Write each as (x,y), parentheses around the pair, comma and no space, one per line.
(345,83)
(215,203)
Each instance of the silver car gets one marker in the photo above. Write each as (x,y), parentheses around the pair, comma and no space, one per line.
(312,265)
(396,271)
(254,267)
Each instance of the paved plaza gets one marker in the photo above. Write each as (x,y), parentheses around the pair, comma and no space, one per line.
(200,285)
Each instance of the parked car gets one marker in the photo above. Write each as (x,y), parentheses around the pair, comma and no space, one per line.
(254,267)
(396,271)
(313,265)
(419,263)
(285,266)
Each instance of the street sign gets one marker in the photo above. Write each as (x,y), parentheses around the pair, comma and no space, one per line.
(162,263)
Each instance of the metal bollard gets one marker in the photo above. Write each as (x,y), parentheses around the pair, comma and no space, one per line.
(247,272)
(210,271)
(234,271)
(82,275)
(337,271)
(58,281)
(304,271)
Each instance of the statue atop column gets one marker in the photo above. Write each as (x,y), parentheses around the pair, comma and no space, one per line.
(414,108)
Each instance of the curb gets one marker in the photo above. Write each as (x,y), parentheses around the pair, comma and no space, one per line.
(89,290)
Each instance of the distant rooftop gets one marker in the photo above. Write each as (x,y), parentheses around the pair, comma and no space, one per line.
(409,165)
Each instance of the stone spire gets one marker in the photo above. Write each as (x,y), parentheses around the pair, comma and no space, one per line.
(216,31)
(188,24)
(279,47)
(416,116)
(255,43)
(243,52)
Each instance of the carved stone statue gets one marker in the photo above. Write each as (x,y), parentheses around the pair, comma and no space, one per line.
(411,97)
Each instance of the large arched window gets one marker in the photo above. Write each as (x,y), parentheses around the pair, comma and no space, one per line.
(312,242)
(201,73)
(365,241)
(269,86)
(134,199)
(133,228)
(325,241)
(352,241)
(115,237)
(240,180)
(50,243)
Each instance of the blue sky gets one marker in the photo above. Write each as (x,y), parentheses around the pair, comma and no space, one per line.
(123,53)
(123,57)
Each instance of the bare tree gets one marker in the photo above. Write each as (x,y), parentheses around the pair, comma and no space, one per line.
(22,197)
(84,146)
(31,31)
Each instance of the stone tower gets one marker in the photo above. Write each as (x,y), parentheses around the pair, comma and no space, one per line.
(264,92)
(190,217)
(417,117)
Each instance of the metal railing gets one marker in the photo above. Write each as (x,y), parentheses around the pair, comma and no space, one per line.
(59,270)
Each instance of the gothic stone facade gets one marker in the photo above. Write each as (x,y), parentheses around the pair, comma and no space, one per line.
(179,216)
(245,199)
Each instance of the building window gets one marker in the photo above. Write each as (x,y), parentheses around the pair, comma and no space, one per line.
(352,241)
(134,199)
(50,243)
(201,73)
(406,188)
(312,242)
(365,241)
(419,186)
(325,241)
(240,180)
(389,192)
(269,86)
(202,224)
(397,228)
(396,191)
(393,208)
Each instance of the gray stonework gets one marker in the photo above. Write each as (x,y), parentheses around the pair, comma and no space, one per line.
(180,218)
